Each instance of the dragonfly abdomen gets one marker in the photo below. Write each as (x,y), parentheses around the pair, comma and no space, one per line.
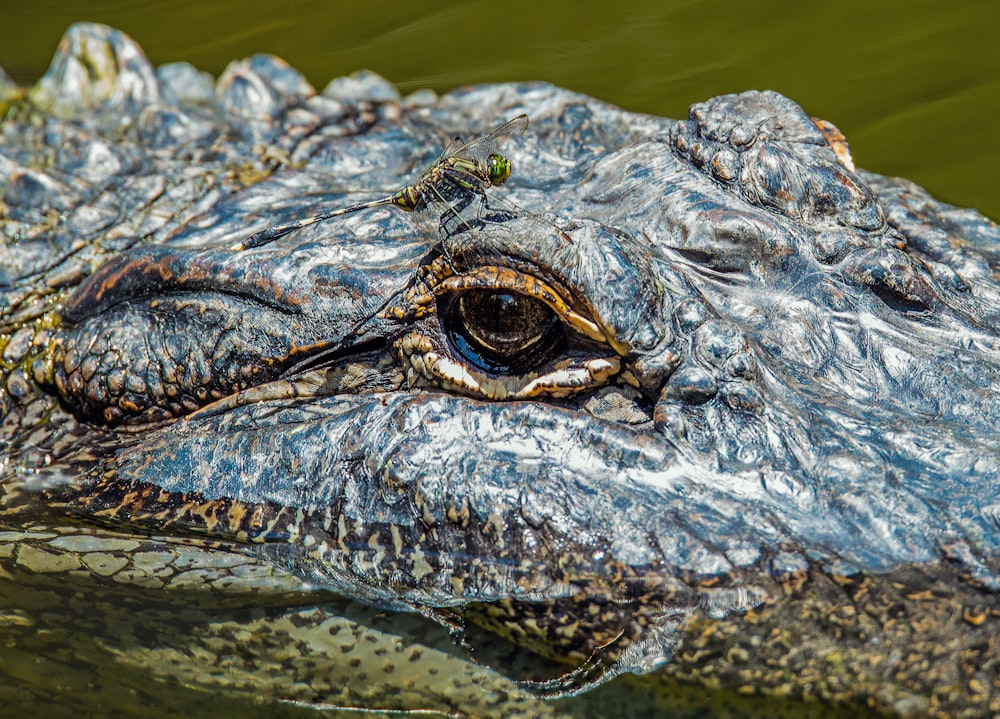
(407,198)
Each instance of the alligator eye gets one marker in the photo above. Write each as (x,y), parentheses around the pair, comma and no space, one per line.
(500,331)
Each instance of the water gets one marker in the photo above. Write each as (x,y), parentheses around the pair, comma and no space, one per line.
(94,623)
(912,83)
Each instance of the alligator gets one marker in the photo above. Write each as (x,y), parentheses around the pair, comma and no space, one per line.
(694,402)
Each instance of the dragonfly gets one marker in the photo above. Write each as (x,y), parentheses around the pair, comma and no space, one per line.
(459,175)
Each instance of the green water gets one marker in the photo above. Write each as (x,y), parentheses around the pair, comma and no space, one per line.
(912,83)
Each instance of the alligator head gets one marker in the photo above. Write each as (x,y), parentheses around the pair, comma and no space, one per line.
(685,369)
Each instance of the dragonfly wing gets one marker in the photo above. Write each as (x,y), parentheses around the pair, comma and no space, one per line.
(450,149)
(480,148)
(462,205)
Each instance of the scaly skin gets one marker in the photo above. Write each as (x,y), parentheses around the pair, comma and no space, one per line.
(745,435)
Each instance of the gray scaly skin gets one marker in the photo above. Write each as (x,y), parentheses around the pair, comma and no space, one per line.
(751,443)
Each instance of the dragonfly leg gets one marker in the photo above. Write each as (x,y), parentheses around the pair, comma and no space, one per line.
(456,218)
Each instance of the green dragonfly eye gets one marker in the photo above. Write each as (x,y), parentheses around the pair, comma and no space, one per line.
(497,168)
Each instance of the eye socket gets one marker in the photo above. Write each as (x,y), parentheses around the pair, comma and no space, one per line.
(501,331)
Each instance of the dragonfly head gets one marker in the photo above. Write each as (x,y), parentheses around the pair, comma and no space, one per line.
(497,168)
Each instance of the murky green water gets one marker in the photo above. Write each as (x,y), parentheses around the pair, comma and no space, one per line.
(912,83)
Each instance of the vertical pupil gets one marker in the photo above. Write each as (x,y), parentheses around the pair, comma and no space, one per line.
(493,310)
(501,317)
